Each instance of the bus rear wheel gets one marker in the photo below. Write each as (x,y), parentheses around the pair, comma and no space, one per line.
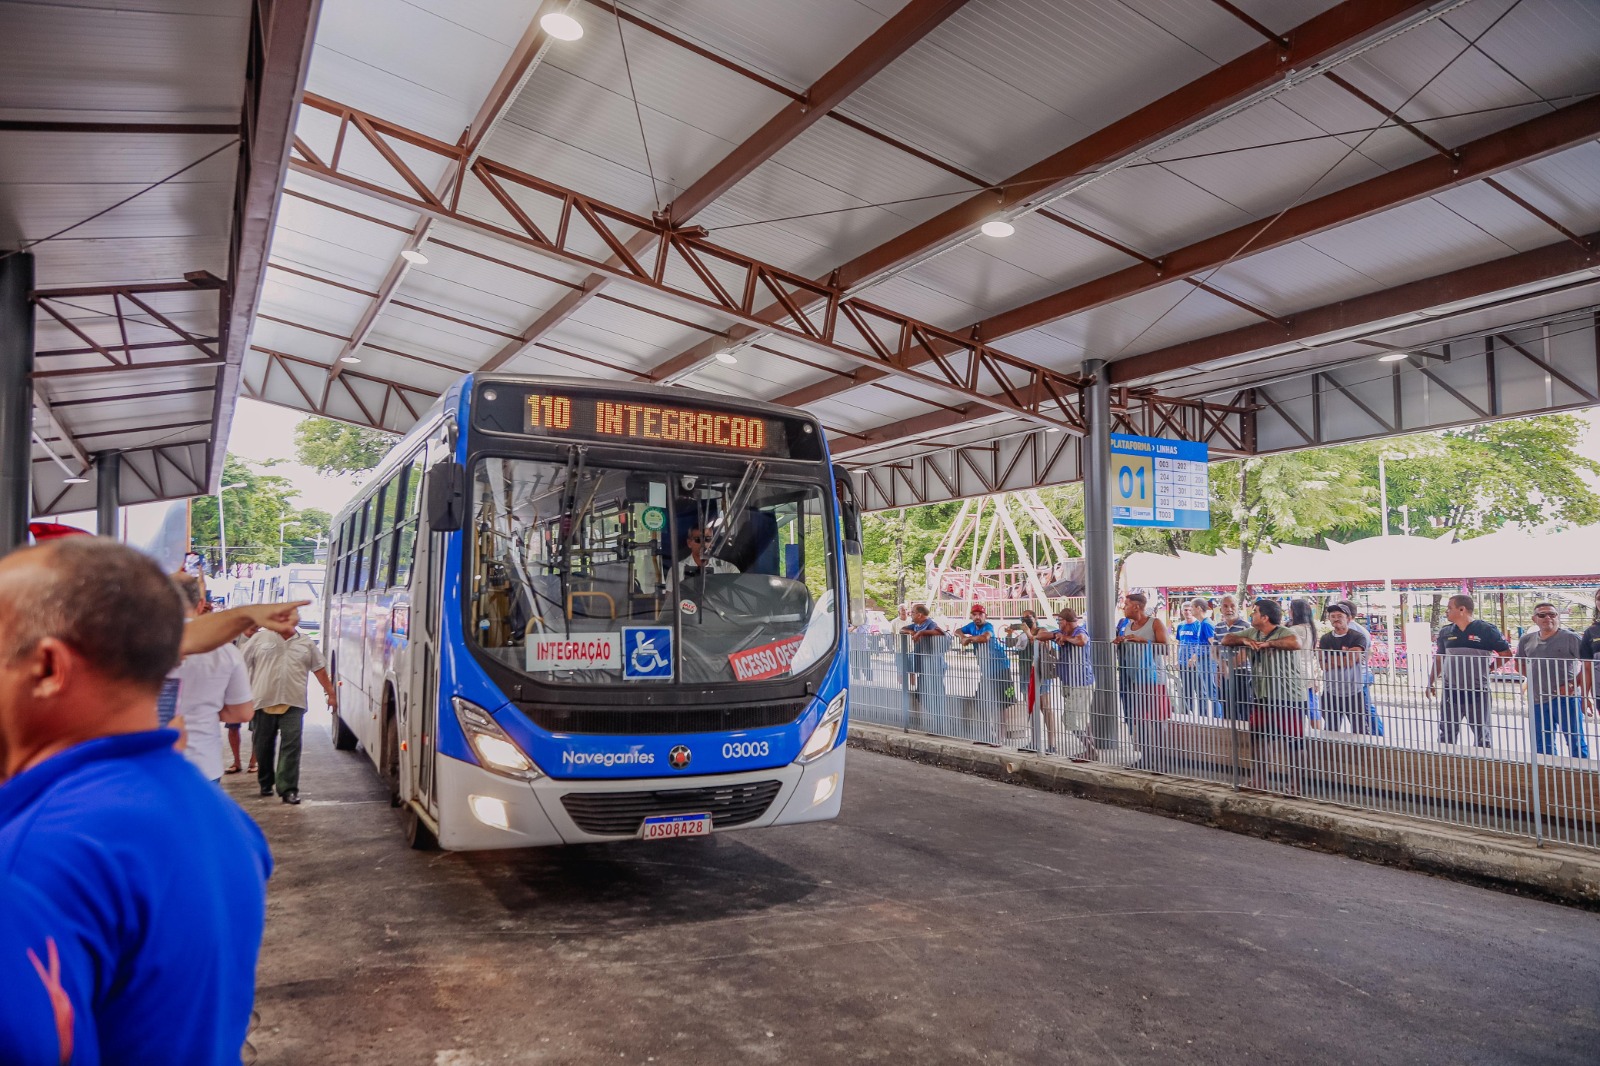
(391,756)
(343,738)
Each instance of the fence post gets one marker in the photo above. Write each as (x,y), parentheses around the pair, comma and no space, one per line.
(1230,708)
(902,670)
(1036,689)
(1535,801)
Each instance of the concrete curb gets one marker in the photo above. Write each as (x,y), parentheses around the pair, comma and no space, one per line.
(1556,872)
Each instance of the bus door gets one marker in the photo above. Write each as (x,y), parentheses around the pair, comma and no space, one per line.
(420,702)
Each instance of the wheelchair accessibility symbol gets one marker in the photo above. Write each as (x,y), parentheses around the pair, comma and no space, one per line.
(647,653)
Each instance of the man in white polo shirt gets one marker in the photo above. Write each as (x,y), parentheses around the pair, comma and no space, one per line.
(210,688)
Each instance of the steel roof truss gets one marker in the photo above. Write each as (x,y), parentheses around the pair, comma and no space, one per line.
(1031,391)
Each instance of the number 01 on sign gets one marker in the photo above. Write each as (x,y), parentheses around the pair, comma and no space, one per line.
(1159,482)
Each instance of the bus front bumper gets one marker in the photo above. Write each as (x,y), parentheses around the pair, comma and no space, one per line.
(480,810)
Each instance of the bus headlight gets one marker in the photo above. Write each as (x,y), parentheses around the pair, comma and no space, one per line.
(496,751)
(827,732)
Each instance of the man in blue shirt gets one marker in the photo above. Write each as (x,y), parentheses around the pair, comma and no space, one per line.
(142,887)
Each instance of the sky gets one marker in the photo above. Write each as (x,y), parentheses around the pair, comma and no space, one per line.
(263,432)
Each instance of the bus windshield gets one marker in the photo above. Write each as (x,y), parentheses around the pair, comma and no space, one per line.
(592,574)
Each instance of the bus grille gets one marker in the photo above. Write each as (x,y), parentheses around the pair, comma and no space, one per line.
(633,721)
(620,813)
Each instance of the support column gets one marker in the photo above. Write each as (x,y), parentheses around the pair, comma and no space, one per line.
(1100,548)
(108,494)
(16,398)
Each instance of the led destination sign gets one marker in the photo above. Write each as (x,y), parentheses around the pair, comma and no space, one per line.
(648,422)
(639,420)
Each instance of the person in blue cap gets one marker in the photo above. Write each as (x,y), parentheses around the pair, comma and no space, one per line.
(138,889)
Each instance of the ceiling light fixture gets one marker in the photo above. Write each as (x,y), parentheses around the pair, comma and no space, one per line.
(77,480)
(1394,357)
(727,357)
(414,257)
(1053,429)
(561,26)
(997,228)
(349,359)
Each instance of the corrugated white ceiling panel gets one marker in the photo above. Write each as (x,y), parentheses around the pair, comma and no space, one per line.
(1169,314)
(1405,243)
(694,111)
(1549,45)
(128,260)
(1262,185)
(1004,83)
(362,262)
(1433,67)
(1347,122)
(1149,209)
(1565,186)
(301,299)
(1291,278)
(426,64)
(298,204)
(795,44)
(991,274)
(1496,214)
(61,58)
(1281,16)
(470,288)
(922,301)
(836,175)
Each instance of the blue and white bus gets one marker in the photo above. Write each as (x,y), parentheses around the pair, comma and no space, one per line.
(564,612)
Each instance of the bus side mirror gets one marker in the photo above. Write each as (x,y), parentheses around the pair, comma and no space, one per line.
(849,506)
(447,497)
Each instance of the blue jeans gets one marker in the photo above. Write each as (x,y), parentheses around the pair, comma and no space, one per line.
(1199,682)
(1563,714)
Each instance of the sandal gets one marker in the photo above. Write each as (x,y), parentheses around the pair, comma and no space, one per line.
(235,768)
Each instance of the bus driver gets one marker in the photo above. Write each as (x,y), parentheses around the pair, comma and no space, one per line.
(697,560)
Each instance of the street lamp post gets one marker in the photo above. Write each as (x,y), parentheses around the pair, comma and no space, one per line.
(281,526)
(222,527)
(1388,584)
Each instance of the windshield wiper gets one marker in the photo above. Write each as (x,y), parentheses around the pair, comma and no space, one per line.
(731,515)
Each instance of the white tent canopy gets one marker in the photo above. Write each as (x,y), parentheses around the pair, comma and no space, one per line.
(1510,555)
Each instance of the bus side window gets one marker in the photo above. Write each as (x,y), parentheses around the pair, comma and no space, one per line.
(405,534)
(361,552)
(850,525)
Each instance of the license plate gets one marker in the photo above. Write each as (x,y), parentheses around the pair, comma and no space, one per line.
(667,826)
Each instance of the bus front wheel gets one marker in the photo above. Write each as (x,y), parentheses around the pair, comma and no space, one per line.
(418,835)
(391,755)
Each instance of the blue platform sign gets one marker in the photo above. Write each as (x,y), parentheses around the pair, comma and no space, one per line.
(647,653)
(1159,482)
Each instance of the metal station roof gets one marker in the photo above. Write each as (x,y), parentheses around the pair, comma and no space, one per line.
(784,201)
(138,166)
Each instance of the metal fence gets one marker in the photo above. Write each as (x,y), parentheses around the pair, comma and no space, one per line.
(1508,745)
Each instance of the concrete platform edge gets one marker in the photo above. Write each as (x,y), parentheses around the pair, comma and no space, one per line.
(1553,871)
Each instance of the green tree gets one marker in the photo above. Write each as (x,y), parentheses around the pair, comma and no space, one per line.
(253,512)
(1525,471)
(1264,501)
(337,449)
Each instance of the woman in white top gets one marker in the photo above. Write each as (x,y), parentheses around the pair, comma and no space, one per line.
(1303,622)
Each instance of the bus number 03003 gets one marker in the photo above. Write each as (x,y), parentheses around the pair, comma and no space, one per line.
(746,751)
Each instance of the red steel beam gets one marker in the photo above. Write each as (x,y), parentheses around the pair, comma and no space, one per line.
(1310,42)
(278,55)
(1539,137)
(1535,139)
(1474,282)
(887,43)
(890,41)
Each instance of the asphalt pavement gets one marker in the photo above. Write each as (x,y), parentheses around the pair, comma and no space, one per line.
(943,918)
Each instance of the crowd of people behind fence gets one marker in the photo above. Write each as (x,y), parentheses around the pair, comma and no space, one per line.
(1276,672)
